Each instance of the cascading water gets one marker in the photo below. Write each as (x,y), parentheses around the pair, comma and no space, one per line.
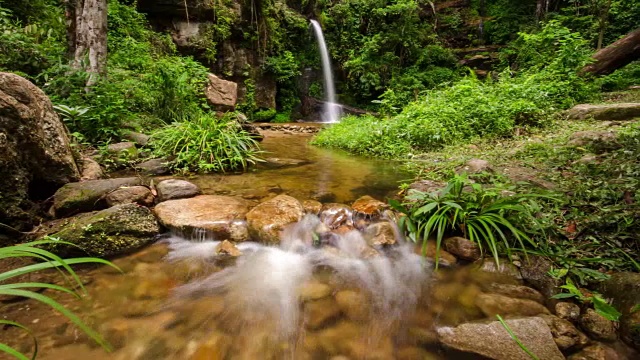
(332,110)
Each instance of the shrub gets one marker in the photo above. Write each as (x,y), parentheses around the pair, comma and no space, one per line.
(206,144)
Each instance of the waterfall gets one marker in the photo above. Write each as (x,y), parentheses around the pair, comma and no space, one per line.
(332,110)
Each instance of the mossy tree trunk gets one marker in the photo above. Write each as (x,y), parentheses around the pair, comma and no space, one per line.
(616,55)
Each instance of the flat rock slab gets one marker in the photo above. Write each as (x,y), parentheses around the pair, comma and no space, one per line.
(493,341)
(624,111)
(89,195)
(221,217)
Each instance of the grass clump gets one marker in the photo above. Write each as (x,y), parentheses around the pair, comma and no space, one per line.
(206,143)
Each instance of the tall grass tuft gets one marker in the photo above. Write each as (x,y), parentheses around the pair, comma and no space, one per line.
(30,290)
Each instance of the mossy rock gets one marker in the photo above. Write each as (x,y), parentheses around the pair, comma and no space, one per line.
(114,231)
(84,196)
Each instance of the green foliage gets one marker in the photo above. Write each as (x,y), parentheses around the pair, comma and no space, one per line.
(206,144)
(264,115)
(600,305)
(622,78)
(282,118)
(496,222)
(283,66)
(32,290)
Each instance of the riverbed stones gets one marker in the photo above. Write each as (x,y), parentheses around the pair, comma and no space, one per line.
(624,289)
(227,248)
(312,206)
(137,138)
(369,207)
(84,196)
(35,153)
(504,268)
(140,195)
(114,231)
(463,248)
(353,304)
(269,218)
(335,215)
(172,189)
(490,339)
(153,167)
(597,351)
(495,304)
(568,311)
(320,312)
(565,334)
(221,217)
(597,326)
(620,111)
(126,150)
(534,270)
(379,234)
(91,170)
(517,291)
(314,290)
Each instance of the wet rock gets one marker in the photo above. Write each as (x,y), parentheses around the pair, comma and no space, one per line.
(462,248)
(114,231)
(353,304)
(427,186)
(369,207)
(598,141)
(138,138)
(415,353)
(320,312)
(517,291)
(153,167)
(335,215)
(126,150)
(89,195)
(568,311)
(423,336)
(35,154)
(493,341)
(444,257)
(314,290)
(505,268)
(277,163)
(227,248)
(215,347)
(620,111)
(597,326)
(566,336)
(535,270)
(140,195)
(221,217)
(221,94)
(494,304)
(91,170)
(624,289)
(379,234)
(474,166)
(312,207)
(596,352)
(269,218)
(172,189)
(334,340)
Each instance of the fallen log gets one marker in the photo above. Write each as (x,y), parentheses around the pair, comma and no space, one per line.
(616,55)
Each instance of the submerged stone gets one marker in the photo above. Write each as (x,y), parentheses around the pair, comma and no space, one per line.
(494,304)
(172,189)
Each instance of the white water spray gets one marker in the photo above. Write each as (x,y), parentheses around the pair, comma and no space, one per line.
(332,110)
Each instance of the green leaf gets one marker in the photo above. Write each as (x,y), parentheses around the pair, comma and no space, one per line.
(605,309)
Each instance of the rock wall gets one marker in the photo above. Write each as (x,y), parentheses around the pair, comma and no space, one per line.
(35,156)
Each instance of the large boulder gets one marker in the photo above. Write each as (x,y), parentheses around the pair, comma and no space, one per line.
(114,231)
(221,217)
(623,111)
(35,156)
(222,94)
(495,304)
(624,289)
(269,218)
(492,340)
(87,195)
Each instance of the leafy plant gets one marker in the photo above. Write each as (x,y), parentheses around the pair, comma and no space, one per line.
(30,289)
(71,115)
(495,222)
(600,305)
(516,339)
(206,144)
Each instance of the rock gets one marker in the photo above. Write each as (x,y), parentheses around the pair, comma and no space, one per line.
(474,166)
(126,150)
(266,92)
(335,215)
(353,304)
(153,167)
(269,218)
(597,326)
(415,353)
(277,163)
(222,217)
(221,94)
(494,304)
(598,141)
(334,340)
(493,341)
(462,248)
(227,248)
(620,111)
(535,270)
(114,231)
(215,347)
(519,174)
(505,268)
(138,138)
(517,291)
(568,311)
(596,352)
(87,195)
(319,312)
(172,189)
(444,258)
(624,289)
(369,207)
(566,336)
(380,233)
(314,290)
(427,186)
(140,195)
(312,206)
(35,155)
(91,170)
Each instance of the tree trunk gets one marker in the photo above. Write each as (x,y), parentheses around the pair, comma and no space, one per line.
(542,6)
(616,55)
(602,23)
(87,36)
